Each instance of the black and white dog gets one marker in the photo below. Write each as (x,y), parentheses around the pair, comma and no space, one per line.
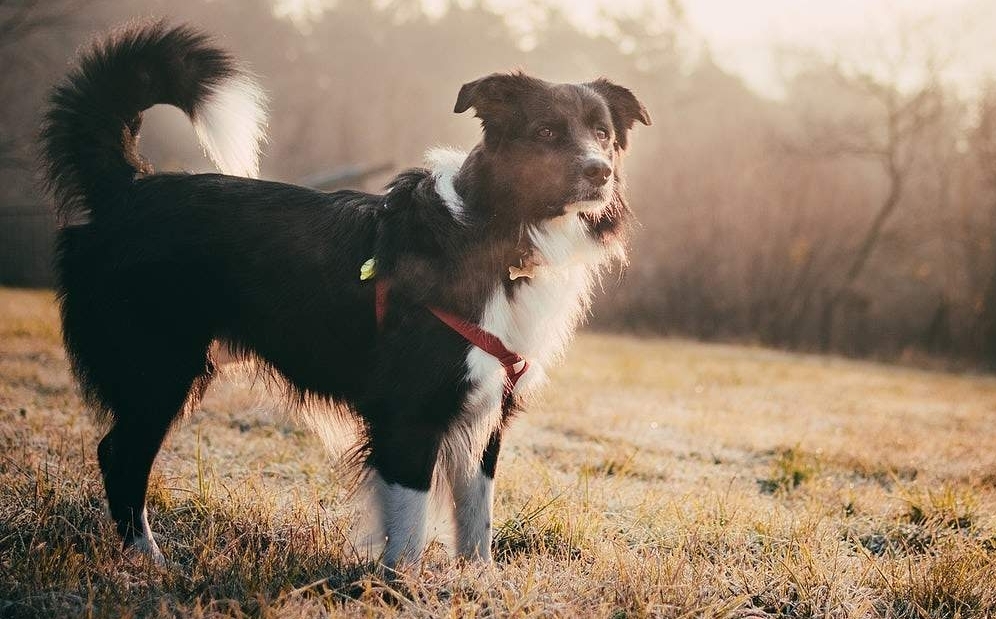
(429,312)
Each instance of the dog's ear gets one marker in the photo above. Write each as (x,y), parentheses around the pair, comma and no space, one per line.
(625,108)
(493,97)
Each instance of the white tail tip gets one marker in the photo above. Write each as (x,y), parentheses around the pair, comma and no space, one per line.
(231,125)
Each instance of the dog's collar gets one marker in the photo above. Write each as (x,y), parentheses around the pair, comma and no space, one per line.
(513,363)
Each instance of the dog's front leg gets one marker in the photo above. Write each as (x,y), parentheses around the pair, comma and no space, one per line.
(403,464)
(403,516)
(473,496)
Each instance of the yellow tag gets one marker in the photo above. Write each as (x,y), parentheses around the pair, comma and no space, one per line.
(368,270)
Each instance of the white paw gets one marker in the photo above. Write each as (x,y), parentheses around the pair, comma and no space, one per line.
(144,549)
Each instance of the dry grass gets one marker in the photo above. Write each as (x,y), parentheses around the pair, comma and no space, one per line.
(655,478)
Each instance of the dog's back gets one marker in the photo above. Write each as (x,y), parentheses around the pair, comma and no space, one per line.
(164,263)
(89,142)
(151,268)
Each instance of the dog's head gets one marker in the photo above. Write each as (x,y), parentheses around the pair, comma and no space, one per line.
(551,149)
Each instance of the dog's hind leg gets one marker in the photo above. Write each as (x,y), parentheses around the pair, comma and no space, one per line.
(143,413)
(126,454)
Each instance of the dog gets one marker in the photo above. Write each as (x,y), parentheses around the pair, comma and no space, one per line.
(429,312)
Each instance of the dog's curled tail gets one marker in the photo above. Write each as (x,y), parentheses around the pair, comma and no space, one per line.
(89,137)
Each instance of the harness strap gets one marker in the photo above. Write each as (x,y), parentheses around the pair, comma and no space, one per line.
(381,288)
(515,366)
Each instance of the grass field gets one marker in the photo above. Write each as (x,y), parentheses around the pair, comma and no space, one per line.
(653,478)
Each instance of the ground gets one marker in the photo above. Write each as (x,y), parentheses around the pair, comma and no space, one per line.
(654,477)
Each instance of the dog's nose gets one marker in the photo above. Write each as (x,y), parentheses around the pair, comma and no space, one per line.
(597,171)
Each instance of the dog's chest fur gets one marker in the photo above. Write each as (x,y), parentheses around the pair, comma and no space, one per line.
(535,318)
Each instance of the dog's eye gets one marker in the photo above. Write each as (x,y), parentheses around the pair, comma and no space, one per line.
(545,133)
(602,134)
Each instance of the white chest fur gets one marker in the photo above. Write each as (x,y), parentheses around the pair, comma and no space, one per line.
(536,319)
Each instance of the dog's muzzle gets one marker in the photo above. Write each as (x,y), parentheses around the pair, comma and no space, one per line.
(597,171)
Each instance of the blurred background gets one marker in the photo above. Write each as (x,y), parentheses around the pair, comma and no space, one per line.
(819,176)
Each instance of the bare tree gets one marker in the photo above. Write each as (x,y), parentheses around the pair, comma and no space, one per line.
(983,144)
(887,135)
(23,22)
(20,19)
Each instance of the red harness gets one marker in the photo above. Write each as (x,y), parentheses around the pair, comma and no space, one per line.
(515,366)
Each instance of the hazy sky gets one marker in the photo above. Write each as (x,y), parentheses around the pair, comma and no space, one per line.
(743,34)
